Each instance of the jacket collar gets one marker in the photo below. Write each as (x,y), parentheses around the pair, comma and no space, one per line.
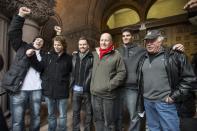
(98,52)
(163,50)
(54,53)
(130,45)
(87,54)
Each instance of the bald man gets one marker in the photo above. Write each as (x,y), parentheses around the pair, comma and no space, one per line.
(107,75)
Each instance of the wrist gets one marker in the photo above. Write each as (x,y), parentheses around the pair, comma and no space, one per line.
(58,33)
(21,15)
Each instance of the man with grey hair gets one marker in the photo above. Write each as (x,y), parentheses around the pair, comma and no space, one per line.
(164,78)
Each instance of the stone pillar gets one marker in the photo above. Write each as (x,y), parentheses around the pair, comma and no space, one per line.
(4,52)
(72,37)
(30,30)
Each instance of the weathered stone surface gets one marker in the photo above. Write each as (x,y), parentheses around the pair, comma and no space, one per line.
(41,9)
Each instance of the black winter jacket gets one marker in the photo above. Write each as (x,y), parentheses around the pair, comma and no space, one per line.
(55,74)
(82,71)
(19,67)
(180,76)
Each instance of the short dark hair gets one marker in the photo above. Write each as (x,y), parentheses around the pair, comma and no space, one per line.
(84,38)
(127,29)
(62,40)
(38,36)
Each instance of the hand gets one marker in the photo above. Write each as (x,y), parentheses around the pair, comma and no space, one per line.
(30,52)
(58,30)
(191,4)
(169,100)
(178,47)
(74,52)
(24,11)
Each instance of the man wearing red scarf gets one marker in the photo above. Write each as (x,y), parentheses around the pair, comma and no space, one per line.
(107,75)
(105,51)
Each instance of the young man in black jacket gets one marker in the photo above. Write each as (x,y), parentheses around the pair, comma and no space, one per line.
(82,63)
(23,76)
(55,68)
(165,76)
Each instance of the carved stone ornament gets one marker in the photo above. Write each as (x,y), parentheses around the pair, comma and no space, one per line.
(41,9)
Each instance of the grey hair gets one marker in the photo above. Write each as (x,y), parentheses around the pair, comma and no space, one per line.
(160,38)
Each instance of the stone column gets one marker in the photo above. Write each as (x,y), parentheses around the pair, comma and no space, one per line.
(30,30)
(4,52)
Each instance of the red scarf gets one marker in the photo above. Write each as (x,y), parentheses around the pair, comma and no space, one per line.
(105,51)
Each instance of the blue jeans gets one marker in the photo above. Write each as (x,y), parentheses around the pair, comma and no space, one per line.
(61,106)
(80,99)
(18,104)
(104,113)
(128,99)
(161,116)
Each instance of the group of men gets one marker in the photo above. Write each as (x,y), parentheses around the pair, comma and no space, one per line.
(105,81)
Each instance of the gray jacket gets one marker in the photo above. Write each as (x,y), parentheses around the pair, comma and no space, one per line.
(131,59)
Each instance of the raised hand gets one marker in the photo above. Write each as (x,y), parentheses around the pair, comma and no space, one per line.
(30,52)
(191,4)
(24,11)
(58,30)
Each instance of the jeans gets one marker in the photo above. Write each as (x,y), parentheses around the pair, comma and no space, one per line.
(80,99)
(161,116)
(104,113)
(128,99)
(61,106)
(18,104)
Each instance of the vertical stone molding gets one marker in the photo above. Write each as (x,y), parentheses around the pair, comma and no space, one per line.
(4,52)
(41,9)
(30,30)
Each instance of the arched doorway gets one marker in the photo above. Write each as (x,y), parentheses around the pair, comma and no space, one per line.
(121,18)
(166,15)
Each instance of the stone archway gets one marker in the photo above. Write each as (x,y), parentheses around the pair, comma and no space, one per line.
(47,31)
(111,10)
